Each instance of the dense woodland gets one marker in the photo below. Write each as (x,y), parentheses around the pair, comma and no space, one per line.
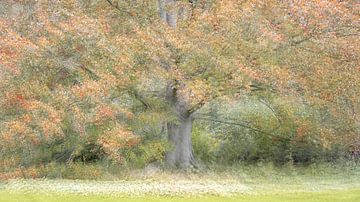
(183,84)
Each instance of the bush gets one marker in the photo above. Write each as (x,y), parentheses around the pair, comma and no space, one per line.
(145,153)
(286,131)
(205,146)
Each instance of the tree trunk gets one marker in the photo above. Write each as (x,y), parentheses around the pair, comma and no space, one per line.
(179,135)
(180,131)
(168,12)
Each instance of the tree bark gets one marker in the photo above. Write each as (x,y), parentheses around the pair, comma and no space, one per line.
(168,12)
(179,132)
(179,135)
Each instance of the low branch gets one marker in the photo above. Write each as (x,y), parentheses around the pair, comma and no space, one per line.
(140,98)
(91,73)
(274,113)
(116,6)
(244,126)
(196,107)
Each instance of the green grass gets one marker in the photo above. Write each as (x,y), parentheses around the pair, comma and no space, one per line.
(263,183)
(334,196)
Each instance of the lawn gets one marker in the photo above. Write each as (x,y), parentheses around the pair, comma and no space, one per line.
(265,183)
(333,196)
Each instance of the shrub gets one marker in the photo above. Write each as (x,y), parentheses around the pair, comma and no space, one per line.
(145,153)
(205,145)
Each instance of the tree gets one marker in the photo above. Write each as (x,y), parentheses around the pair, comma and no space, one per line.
(88,57)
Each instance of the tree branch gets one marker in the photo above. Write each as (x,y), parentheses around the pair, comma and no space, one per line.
(274,112)
(244,126)
(90,72)
(196,107)
(141,99)
(116,6)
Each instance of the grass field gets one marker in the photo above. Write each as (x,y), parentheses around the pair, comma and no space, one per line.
(254,184)
(334,196)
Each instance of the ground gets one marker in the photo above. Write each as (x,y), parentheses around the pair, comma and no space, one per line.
(334,196)
(263,183)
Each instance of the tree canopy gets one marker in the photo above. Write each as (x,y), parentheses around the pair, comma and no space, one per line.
(111,72)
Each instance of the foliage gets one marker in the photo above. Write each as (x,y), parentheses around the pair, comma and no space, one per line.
(90,80)
(285,132)
(146,153)
(205,145)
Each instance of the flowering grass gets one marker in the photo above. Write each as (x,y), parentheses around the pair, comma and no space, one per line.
(260,183)
(334,196)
